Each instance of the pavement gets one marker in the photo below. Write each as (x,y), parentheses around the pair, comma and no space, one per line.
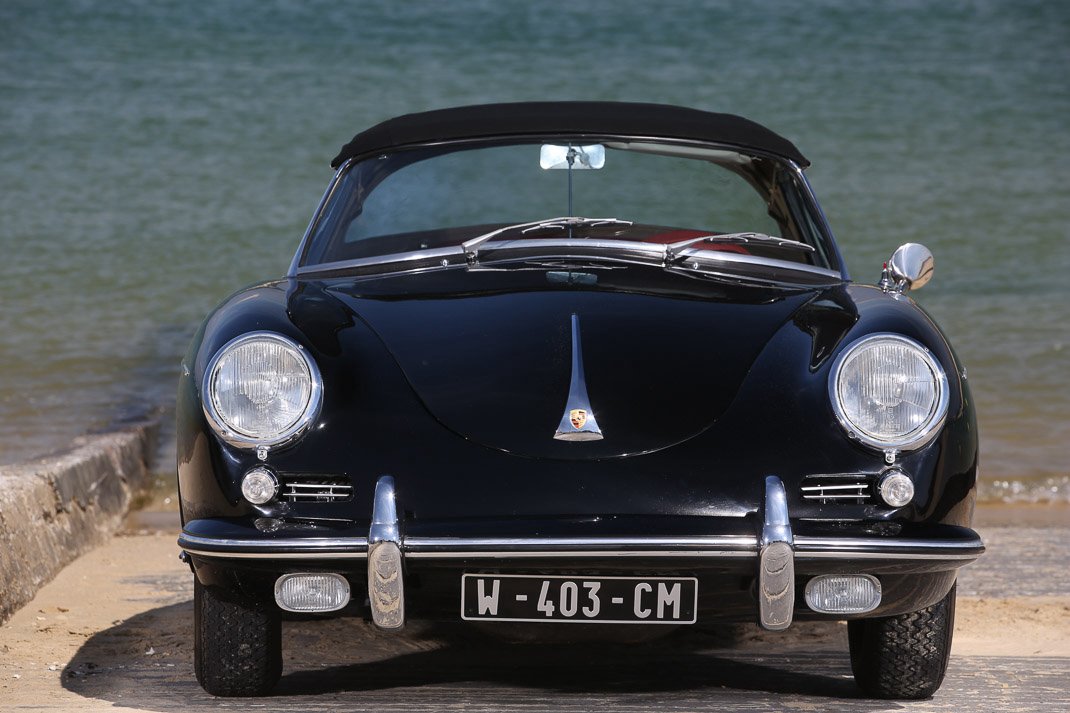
(114,632)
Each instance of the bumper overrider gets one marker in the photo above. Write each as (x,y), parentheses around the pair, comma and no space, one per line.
(884,570)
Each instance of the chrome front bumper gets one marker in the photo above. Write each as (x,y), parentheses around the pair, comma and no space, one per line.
(775,551)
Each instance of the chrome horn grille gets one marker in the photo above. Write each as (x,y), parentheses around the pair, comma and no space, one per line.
(316,489)
(850,488)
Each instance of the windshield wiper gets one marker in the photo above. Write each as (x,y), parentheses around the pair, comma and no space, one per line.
(672,250)
(568,222)
(573,221)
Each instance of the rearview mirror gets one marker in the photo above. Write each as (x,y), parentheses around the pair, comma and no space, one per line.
(553,156)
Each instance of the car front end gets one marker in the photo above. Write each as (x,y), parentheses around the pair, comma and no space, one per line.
(537,418)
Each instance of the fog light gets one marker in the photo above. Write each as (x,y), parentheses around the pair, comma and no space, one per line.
(896,489)
(311,592)
(843,593)
(259,485)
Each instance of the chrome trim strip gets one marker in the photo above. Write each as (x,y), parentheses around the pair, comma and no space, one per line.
(904,556)
(741,542)
(713,546)
(555,554)
(309,543)
(316,215)
(423,546)
(311,555)
(411,256)
(825,226)
(863,543)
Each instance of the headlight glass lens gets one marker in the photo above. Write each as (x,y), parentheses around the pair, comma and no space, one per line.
(262,389)
(889,391)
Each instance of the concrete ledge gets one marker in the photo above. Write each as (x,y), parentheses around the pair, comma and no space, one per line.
(58,507)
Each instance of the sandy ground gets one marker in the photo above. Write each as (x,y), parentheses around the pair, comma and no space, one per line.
(112,632)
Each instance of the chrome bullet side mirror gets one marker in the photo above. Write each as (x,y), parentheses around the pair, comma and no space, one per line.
(909,268)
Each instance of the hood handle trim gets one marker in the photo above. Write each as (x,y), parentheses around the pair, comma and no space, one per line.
(578,423)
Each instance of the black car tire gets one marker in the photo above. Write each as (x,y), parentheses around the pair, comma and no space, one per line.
(903,656)
(237,647)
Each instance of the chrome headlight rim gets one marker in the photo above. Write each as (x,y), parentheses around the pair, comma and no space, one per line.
(290,434)
(922,435)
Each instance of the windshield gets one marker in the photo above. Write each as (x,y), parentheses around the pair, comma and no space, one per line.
(440,197)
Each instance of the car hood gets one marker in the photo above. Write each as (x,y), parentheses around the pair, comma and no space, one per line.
(493,363)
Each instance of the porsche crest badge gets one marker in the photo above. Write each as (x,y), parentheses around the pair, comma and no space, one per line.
(578,417)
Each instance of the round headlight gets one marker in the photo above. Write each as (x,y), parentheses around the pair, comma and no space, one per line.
(889,392)
(261,389)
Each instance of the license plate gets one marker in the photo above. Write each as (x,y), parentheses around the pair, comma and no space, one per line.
(593,600)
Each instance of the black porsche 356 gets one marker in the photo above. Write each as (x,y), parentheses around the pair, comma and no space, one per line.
(576,362)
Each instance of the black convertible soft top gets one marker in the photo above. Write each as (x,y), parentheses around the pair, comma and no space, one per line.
(599,118)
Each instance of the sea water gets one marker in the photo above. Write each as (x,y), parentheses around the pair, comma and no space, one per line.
(156,156)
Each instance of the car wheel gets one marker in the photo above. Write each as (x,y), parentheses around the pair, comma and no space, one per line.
(903,656)
(237,647)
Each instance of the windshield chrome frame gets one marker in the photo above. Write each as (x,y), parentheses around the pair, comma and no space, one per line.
(653,250)
(317,216)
